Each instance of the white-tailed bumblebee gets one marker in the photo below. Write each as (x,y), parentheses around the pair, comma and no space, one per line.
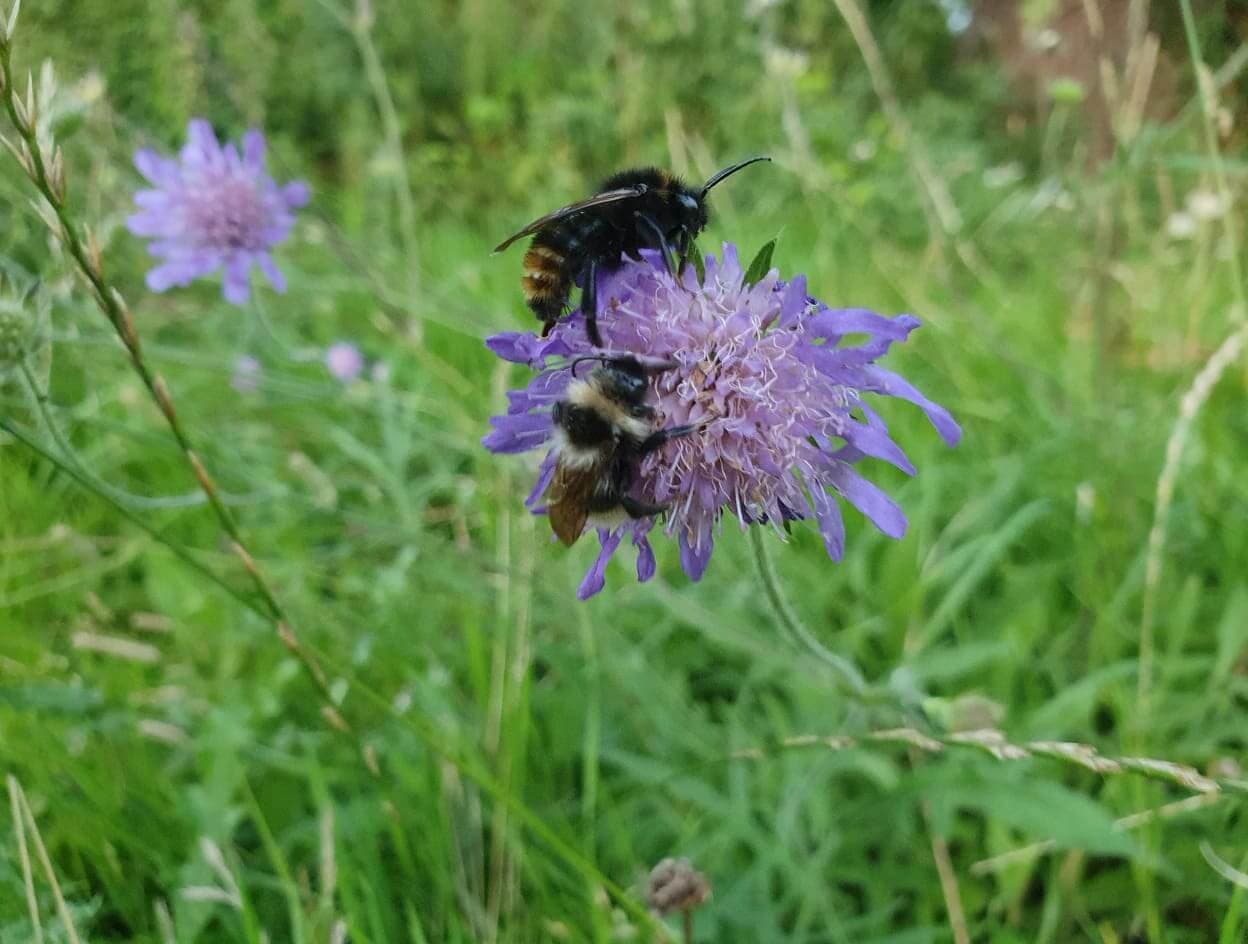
(603,429)
(639,209)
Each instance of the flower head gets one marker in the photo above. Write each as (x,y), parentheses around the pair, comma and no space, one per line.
(764,374)
(214,208)
(675,885)
(344,361)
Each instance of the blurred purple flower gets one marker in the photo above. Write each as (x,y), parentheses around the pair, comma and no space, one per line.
(247,371)
(344,361)
(764,372)
(212,209)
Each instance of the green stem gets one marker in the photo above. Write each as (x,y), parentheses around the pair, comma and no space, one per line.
(848,675)
(118,496)
(155,533)
(1205,91)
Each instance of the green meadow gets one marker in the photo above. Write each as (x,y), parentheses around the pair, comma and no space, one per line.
(435,741)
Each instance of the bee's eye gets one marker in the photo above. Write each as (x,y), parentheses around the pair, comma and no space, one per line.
(688,202)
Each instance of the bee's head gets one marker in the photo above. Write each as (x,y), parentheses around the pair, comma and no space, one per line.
(690,212)
(622,378)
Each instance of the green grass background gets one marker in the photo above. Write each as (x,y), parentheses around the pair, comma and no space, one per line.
(1062,326)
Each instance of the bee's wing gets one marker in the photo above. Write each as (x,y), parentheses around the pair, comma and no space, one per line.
(598,199)
(568,508)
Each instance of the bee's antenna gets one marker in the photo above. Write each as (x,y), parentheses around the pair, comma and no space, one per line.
(571,365)
(730,170)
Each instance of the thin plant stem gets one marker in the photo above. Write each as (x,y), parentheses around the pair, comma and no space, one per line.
(1206,91)
(1193,400)
(39,398)
(90,485)
(23,856)
(361,28)
(46,172)
(45,862)
(686,920)
(847,674)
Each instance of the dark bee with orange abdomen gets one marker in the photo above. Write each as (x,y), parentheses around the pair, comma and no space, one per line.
(603,429)
(633,210)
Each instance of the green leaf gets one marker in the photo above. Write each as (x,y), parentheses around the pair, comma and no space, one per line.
(1040,810)
(761,264)
(694,255)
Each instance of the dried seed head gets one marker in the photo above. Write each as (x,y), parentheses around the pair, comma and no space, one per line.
(95,258)
(56,174)
(675,885)
(8,28)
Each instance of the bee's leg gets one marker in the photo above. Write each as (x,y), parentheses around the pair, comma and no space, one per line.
(652,228)
(589,303)
(657,439)
(640,509)
(547,327)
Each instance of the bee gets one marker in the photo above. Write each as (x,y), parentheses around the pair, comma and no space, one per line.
(639,209)
(603,429)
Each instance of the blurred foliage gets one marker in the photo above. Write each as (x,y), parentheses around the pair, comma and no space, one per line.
(1064,319)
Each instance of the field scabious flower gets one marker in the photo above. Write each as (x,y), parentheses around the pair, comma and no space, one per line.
(766,375)
(214,208)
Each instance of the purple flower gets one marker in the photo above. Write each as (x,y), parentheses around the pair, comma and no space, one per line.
(344,361)
(213,208)
(247,371)
(764,372)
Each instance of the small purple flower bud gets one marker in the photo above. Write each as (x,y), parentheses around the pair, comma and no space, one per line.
(344,361)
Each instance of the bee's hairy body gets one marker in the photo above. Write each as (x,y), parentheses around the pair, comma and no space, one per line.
(646,208)
(603,429)
(561,254)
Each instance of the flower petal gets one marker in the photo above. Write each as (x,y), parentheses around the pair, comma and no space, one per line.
(545,472)
(645,556)
(868,498)
(164,277)
(518,432)
(236,285)
(524,347)
(877,444)
(253,150)
(595,577)
(878,380)
(159,170)
(832,323)
(271,272)
(296,194)
(202,147)
(831,524)
(695,552)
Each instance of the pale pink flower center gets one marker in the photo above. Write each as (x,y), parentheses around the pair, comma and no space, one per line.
(226,213)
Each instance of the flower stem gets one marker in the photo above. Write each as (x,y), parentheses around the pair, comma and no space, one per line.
(39,399)
(848,675)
